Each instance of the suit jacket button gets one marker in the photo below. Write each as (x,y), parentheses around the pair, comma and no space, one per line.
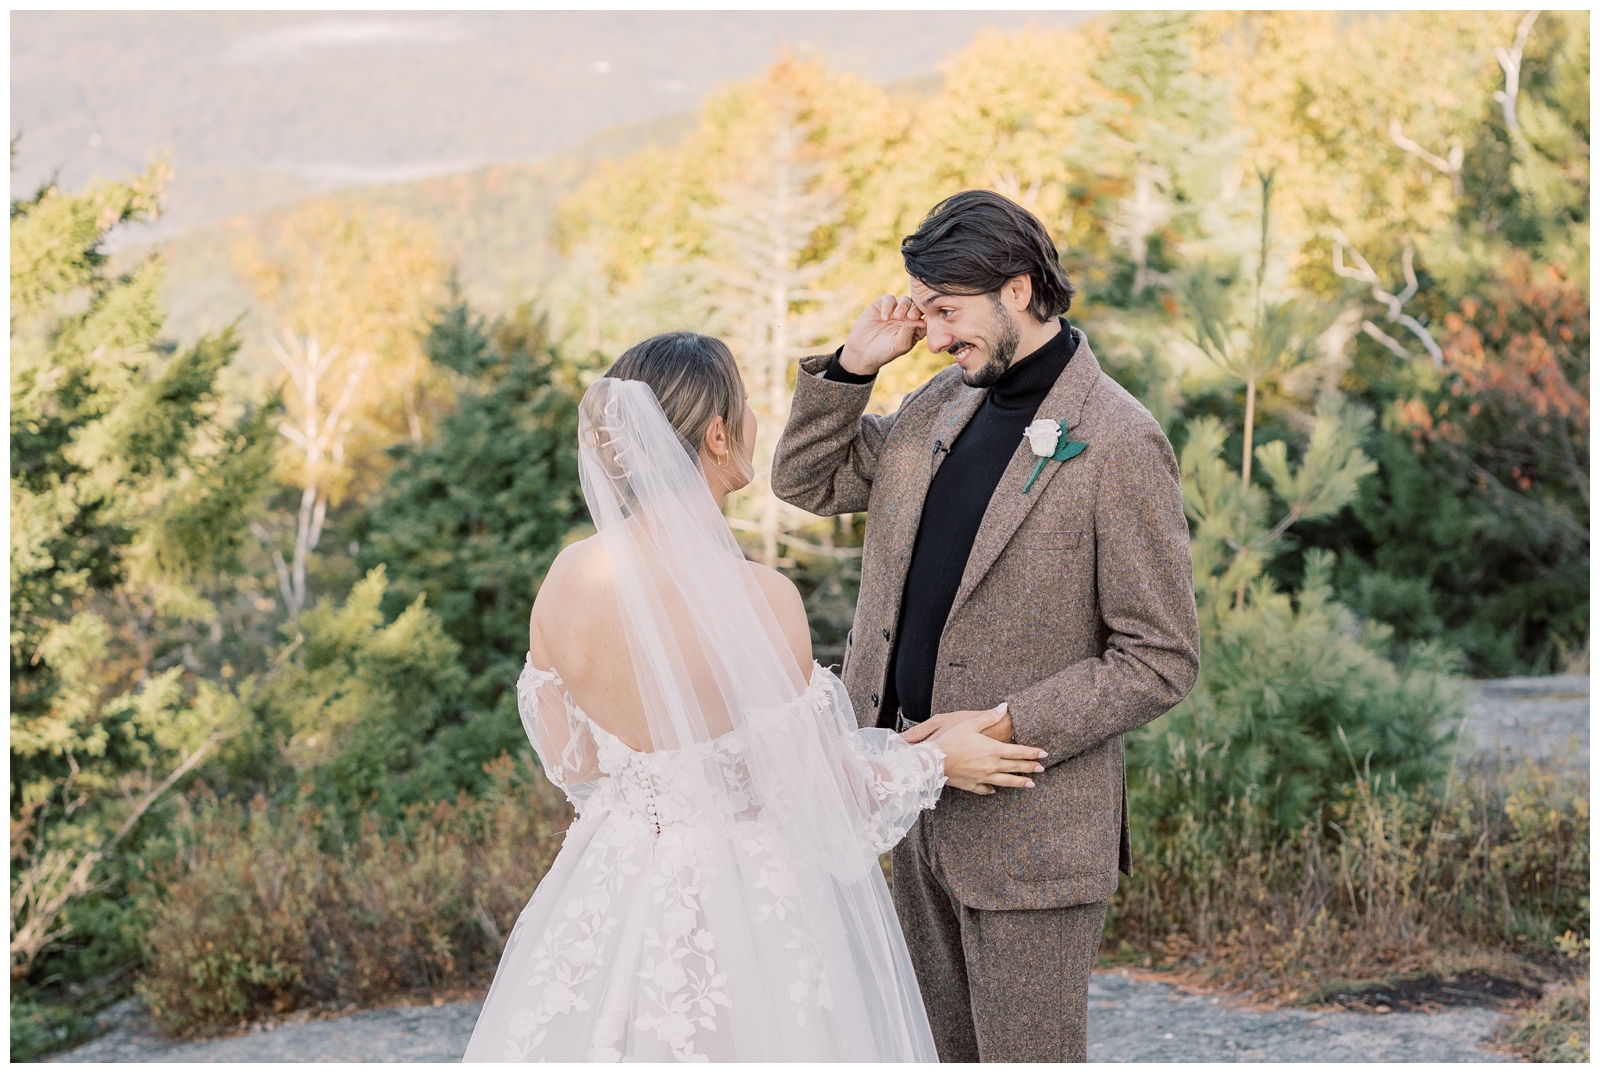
(874,698)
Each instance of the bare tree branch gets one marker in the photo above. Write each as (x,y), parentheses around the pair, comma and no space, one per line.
(1005,182)
(763,230)
(320,437)
(1392,303)
(36,933)
(795,542)
(1137,218)
(1386,339)
(284,585)
(1511,64)
(1450,166)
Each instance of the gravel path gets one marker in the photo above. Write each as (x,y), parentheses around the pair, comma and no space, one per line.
(1130,1020)
(398,1034)
(1134,1020)
(1542,717)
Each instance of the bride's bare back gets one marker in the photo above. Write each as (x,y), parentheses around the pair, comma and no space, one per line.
(577,630)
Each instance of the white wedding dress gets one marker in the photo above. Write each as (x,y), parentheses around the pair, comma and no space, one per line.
(718,897)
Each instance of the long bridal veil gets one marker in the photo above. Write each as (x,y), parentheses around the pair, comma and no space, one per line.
(708,653)
(712,666)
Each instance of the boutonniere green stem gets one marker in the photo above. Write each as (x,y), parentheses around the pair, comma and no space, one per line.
(1048,440)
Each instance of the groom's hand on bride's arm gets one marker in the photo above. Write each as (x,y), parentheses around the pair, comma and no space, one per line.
(886,329)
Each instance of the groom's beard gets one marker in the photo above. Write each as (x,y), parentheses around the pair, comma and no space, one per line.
(1000,357)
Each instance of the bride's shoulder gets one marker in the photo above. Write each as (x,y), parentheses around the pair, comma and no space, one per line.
(779,590)
(789,609)
(582,558)
(569,601)
(787,606)
(580,567)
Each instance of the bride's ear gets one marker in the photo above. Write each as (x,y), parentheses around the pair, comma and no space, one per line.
(716,443)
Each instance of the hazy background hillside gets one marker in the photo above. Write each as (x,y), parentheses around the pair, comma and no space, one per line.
(493,223)
(438,113)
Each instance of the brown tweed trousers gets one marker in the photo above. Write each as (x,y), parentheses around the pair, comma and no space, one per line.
(1076,608)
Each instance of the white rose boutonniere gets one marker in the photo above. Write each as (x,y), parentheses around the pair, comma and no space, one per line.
(1043,435)
(1047,440)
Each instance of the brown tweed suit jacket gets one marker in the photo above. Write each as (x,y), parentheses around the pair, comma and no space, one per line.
(1076,607)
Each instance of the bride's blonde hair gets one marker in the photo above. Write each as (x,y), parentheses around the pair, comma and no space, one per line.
(695,379)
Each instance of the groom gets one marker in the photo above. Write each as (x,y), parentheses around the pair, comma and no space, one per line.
(1046,577)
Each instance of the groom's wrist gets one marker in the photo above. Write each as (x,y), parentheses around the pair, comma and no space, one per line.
(837,372)
(1003,730)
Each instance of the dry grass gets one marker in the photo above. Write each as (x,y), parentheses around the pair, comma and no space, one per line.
(1557,1029)
(1492,874)
(258,916)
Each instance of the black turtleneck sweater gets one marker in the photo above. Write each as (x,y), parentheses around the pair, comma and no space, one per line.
(957,499)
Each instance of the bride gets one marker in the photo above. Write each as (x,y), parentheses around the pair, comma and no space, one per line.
(718,896)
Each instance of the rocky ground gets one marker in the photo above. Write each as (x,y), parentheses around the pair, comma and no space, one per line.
(1543,717)
(1141,1020)
(399,1034)
(1130,1020)
(1132,1017)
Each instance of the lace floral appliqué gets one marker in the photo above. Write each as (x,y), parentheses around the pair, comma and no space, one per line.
(635,902)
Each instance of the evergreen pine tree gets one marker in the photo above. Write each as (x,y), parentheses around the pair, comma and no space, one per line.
(474,518)
(132,483)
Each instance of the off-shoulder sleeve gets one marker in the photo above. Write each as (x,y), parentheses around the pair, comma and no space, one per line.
(843,794)
(560,735)
(892,779)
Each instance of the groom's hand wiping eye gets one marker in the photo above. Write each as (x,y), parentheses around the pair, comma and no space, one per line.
(886,329)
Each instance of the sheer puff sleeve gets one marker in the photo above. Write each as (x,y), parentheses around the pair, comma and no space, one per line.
(847,794)
(559,733)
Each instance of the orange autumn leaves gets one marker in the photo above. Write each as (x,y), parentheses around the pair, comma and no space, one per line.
(1514,405)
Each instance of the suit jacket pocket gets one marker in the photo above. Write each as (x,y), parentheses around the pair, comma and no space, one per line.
(1050,539)
(1070,823)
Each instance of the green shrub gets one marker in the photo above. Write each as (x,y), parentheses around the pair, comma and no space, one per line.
(234,924)
(1281,678)
(1541,855)
(38,1027)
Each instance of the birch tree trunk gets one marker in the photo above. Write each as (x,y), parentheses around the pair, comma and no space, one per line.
(768,300)
(320,437)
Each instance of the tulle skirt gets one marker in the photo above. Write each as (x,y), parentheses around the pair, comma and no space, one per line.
(658,941)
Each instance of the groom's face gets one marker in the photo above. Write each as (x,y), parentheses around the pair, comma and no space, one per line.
(976,330)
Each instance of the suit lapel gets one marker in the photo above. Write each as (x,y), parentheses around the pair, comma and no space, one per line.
(911,493)
(953,417)
(1008,507)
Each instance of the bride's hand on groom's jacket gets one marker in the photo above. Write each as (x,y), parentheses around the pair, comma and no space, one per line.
(978,753)
(886,329)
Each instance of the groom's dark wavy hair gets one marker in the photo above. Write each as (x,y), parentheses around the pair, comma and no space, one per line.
(972,242)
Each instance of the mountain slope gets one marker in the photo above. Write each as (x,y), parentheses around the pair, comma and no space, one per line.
(493,222)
